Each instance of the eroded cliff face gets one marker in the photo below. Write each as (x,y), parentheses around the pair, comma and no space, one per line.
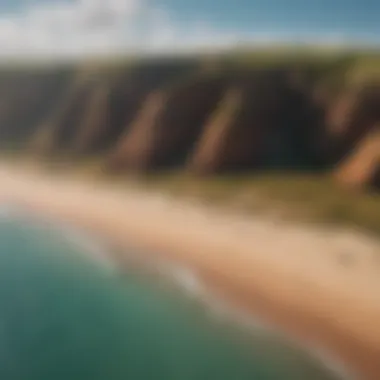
(95,121)
(353,115)
(355,143)
(168,125)
(158,114)
(26,98)
(359,168)
(375,180)
(210,152)
(265,121)
(101,103)
(57,129)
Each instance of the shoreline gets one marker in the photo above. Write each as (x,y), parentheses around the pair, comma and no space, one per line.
(217,307)
(314,300)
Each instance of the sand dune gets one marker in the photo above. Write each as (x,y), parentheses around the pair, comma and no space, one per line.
(320,285)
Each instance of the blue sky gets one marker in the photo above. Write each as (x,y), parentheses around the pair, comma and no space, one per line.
(345,15)
(79,27)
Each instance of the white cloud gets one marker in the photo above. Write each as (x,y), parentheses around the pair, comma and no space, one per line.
(80,27)
(74,28)
(64,28)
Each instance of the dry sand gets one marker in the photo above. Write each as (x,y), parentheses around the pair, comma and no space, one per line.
(320,285)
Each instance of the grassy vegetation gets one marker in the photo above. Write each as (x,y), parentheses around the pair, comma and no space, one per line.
(300,197)
(308,198)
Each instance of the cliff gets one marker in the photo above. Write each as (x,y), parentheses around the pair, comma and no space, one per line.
(204,116)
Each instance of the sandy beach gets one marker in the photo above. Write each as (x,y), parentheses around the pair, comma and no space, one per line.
(320,285)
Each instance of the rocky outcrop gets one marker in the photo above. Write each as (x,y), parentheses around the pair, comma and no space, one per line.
(114,97)
(26,98)
(351,118)
(133,149)
(354,126)
(168,125)
(263,122)
(375,180)
(58,130)
(95,121)
(211,151)
(362,166)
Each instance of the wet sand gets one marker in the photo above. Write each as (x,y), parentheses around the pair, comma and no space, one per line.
(318,285)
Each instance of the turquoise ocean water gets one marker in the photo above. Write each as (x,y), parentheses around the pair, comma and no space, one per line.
(66,316)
